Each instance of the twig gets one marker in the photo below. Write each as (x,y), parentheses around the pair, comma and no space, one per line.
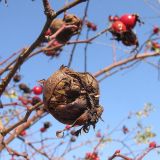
(29,111)
(11,56)
(90,39)
(140,157)
(85,52)
(9,66)
(13,152)
(34,148)
(125,61)
(74,46)
(117,154)
(20,128)
(119,69)
(114,51)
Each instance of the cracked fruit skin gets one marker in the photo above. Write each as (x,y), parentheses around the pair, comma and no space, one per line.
(65,97)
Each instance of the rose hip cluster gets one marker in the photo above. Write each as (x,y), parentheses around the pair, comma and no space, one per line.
(122,28)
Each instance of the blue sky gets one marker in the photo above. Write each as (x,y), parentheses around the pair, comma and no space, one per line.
(129,90)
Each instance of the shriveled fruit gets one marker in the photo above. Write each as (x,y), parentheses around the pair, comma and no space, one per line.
(47,125)
(56,25)
(71,19)
(17,78)
(91,25)
(73,97)
(24,88)
(66,33)
(35,100)
(129,38)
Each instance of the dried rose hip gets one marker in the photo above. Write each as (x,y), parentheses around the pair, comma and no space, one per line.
(71,19)
(46,125)
(24,88)
(17,78)
(56,25)
(67,33)
(72,98)
(129,38)
(35,100)
(91,25)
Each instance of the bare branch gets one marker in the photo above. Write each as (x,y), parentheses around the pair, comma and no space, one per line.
(140,157)
(125,61)
(13,152)
(20,128)
(29,111)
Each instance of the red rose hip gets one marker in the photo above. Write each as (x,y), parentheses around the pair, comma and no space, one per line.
(23,133)
(118,27)
(152,144)
(42,129)
(37,90)
(129,20)
(156,30)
